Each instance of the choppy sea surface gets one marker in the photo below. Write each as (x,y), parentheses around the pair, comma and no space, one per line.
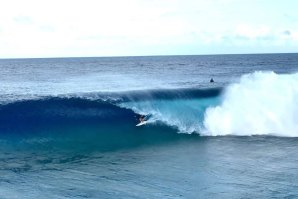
(68,127)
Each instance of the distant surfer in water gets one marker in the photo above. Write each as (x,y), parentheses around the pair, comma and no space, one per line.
(211,80)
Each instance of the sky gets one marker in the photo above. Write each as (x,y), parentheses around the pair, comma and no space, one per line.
(88,28)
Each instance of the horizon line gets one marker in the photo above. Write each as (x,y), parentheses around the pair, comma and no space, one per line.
(169,55)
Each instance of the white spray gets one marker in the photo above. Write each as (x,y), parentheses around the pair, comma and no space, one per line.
(262,103)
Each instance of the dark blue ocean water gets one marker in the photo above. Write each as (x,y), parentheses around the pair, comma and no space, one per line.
(67,127)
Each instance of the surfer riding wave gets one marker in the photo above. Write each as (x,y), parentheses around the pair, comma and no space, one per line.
(143,119)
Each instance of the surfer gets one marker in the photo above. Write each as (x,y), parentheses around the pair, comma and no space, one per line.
(211,80)
(142,118)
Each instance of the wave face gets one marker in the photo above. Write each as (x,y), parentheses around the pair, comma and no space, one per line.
(104,121)
(262,103)
(180,108)
(185,115)
(59,111)
(75,124)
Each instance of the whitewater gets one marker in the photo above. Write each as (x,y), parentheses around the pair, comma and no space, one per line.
(262,103)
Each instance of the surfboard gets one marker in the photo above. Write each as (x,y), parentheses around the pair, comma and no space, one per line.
(142,123)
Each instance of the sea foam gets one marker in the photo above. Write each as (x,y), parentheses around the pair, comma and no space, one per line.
(262,103)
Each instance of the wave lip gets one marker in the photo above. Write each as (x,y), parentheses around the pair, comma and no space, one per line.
(262,103)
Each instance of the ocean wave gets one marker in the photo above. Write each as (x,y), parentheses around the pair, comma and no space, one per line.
(262,103)
(103,108)
(76,124)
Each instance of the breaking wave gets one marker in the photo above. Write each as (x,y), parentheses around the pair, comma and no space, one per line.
(262,103)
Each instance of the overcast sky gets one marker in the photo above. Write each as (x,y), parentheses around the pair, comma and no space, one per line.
(71,28)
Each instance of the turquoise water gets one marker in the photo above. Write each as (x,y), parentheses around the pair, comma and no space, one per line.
(180,167)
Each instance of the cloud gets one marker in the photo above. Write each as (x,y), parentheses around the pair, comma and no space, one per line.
(291,35)
(286,32)
(251,32)
(292,18)
(26,20)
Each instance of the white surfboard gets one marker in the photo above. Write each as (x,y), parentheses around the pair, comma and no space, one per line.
(142,123)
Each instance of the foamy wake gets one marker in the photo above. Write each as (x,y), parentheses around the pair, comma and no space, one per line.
(262,103)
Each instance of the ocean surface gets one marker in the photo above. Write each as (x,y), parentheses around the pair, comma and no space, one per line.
(68,127)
